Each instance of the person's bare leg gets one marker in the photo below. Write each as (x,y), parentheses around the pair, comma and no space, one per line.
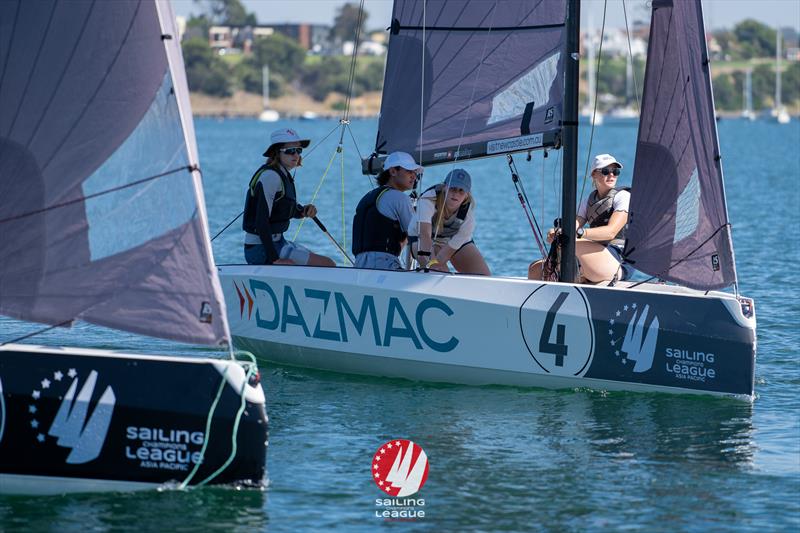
(320,260)
(468,260)
(535,270)
(597,263)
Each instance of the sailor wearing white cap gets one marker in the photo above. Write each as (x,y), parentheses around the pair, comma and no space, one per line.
(383,214)
(271,204)
(599,247)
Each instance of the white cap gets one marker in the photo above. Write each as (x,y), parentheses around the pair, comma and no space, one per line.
(401,159)
(283,136)
(603,160)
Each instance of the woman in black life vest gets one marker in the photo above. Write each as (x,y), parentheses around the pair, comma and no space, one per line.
(271,203)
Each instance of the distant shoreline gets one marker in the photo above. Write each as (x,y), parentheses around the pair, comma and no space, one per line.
(290,105)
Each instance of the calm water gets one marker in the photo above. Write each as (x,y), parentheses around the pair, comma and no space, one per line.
(500,458)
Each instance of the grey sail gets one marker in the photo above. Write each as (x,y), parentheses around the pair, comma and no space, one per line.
(472,78)
(102,215)
(679,229)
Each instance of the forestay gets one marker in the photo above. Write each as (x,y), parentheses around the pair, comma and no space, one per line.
(472,78)
(102,217)
(679,228)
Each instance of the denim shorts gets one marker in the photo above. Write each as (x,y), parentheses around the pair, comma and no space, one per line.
(256,254)
(626,271)
(378,261)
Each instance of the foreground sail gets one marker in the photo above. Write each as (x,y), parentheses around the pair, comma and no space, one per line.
(102,219)
(679,228)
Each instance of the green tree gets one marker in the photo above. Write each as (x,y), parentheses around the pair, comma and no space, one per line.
(282,54)
(763,86)
(754,39)
(230,12)
(347,22)
(726,95)
(205,71)
(790,83)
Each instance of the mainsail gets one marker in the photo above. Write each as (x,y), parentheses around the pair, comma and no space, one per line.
(679,228)
(472,78)
(102,215)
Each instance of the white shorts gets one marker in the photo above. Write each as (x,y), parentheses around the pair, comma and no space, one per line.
(290,250)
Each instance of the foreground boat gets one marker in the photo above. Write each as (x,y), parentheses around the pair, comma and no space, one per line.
(93,420)
(495,81)
(103,220)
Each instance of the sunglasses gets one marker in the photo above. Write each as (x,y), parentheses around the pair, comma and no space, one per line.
(607,171)
(292,151)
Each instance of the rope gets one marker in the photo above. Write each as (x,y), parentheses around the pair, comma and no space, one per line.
(661,274)
(314,196)
(594,111)
(29,335)
(344,224)
(353,65)
(101,193)
(209,419)
(466,118)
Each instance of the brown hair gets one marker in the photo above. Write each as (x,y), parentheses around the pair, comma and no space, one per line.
(383,177)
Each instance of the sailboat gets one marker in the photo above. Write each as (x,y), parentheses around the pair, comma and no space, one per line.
(268,114)
(502,78)
(628,111)
(747,96)
(103,221)
(779,112)
(590,111)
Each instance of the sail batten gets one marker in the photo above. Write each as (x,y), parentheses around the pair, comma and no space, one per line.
(103,216)
(485,78)
(678,225)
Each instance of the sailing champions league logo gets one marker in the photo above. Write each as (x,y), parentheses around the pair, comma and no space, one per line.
(637,345)
(74,426)
(399,469)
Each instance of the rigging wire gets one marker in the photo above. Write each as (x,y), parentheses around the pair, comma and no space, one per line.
(39,332)
(466,118)
(594,111)
(630,54)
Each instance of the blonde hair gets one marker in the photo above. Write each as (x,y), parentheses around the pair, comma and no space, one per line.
(438,214)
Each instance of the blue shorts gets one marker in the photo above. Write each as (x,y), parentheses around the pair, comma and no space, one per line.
(626,272)
(256,254)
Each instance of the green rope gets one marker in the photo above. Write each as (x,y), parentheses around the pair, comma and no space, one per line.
(344,227)
(209,419)
(314,196)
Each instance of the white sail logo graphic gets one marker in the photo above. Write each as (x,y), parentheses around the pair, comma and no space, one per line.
(70,427)
(639,343)
(403,475)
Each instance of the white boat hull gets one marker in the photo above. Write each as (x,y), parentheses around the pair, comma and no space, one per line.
(491,330)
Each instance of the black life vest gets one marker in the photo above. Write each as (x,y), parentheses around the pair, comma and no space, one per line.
(451,225)
(599,211)
(372,230)
(284,205)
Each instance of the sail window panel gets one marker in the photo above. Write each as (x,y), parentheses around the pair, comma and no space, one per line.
(534,86)
(688,209)
(132,216)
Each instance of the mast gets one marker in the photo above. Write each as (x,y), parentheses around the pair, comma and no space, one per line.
(265,86)
(778,104)
(570,142)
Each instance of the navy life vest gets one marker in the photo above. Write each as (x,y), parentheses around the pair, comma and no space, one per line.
(284,205)
(599,211)
(372,230)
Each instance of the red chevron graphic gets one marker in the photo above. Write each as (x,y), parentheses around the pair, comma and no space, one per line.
(249,302)
(241,299)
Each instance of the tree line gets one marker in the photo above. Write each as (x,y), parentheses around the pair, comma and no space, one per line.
(290,65)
